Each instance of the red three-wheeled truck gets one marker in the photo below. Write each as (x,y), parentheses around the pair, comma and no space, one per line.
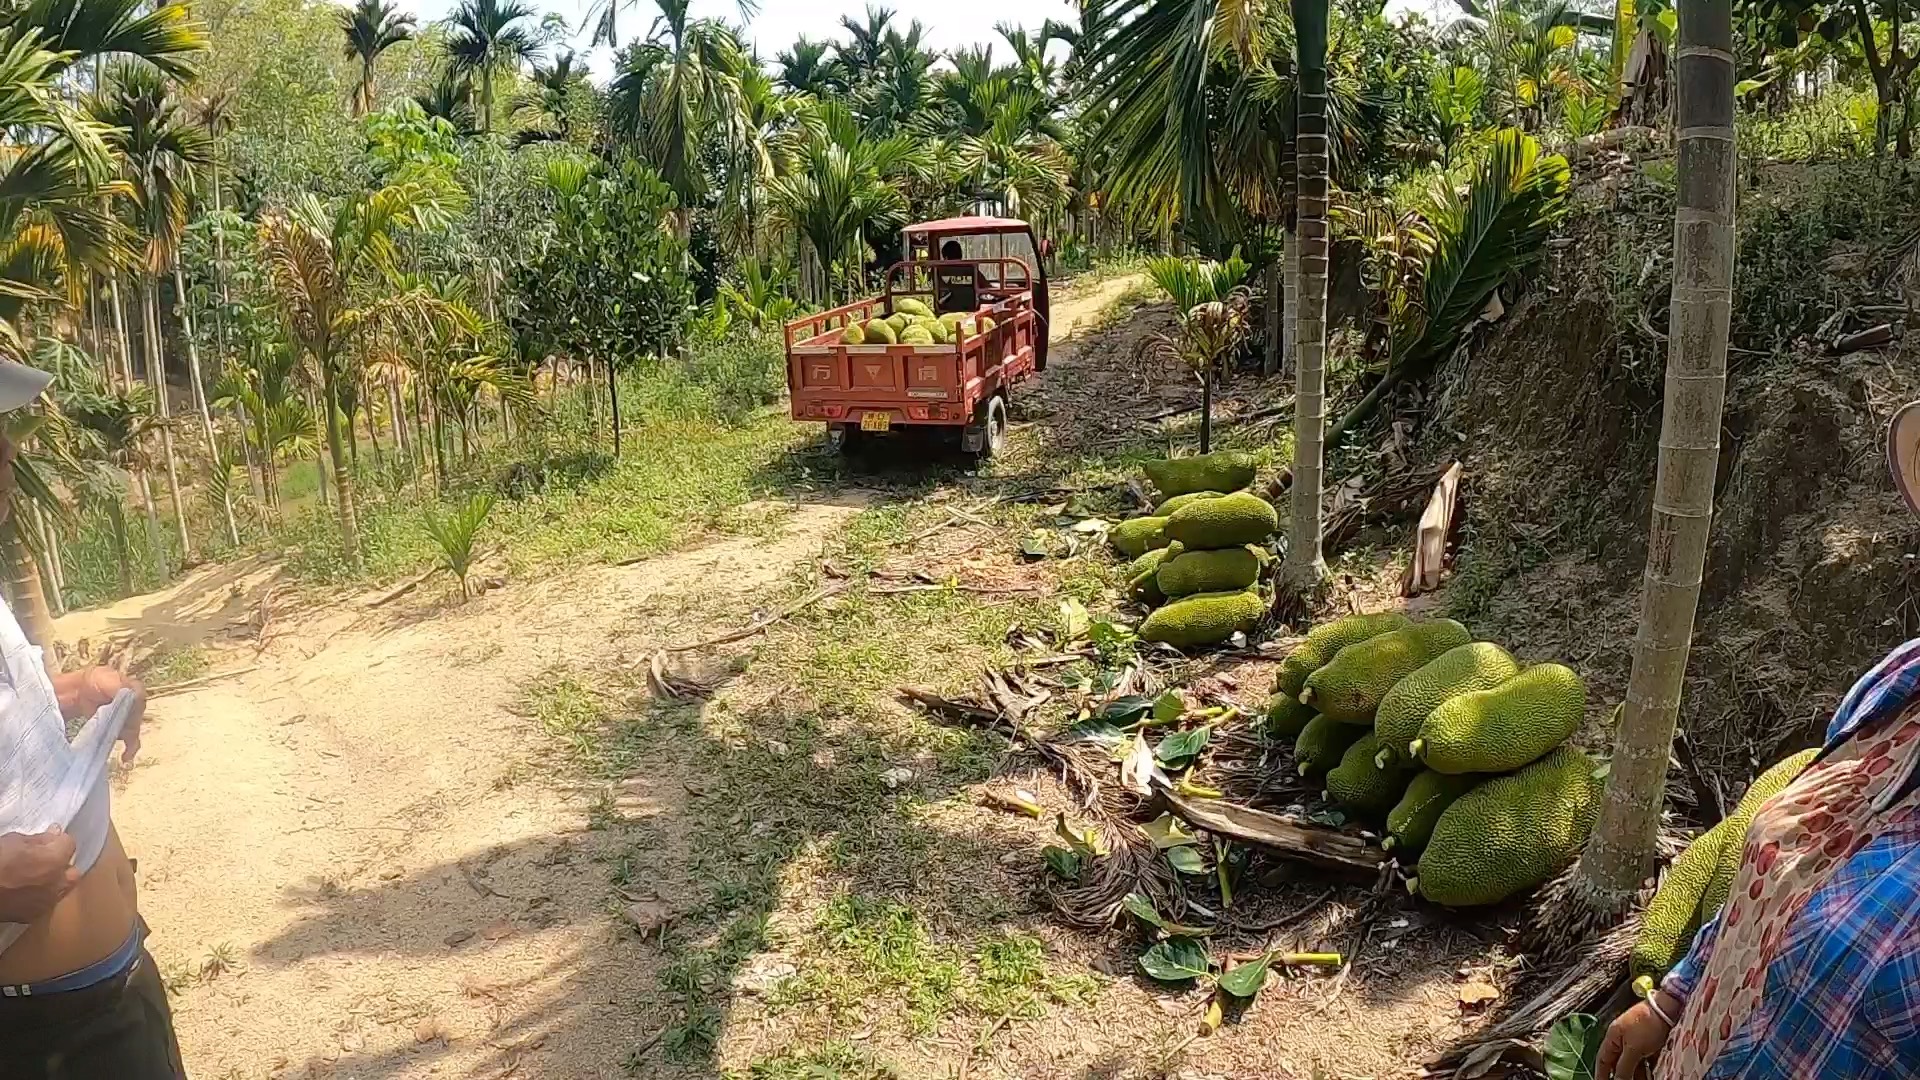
(983,268)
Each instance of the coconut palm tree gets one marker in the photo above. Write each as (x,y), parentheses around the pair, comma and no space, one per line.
(371,27)
(158,146)
(676,90)
(1616,858)
(324,262)
(489,37)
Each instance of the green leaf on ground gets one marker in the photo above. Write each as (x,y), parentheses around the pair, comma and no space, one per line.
(1123,711)
(1074,621)
(1062,861)
(1141,908)
(1176,959)
(1168,707)
(1186,860)
(1573,1047)
(1167,831)
(1246,980)
(1179,749)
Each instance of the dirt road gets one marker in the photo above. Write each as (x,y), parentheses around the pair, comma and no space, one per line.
(354,859)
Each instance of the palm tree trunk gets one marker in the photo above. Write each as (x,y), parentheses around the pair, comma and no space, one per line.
(120,328)
(1275,319)
(1616,858)
(122,544)
(23,583)
(200,399)
(342,471)
(154,540)
(157,372)
(396,410)
(1290,297)
(613,397)
(1206,410)
(1305,566)
(56,573)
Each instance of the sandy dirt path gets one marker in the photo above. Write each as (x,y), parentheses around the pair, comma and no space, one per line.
(351,856)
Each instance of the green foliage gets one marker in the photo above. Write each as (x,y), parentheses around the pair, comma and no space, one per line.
(456,532)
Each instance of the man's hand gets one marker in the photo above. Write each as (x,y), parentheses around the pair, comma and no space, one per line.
(83,692)
(35,872)
(1635,1040)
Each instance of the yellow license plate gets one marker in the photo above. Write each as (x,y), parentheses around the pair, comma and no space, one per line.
(875,421)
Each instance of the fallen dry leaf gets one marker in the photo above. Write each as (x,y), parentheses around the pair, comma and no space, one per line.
(1477,992)
(648,918)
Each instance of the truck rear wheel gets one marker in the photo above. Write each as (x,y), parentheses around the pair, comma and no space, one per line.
(991,421)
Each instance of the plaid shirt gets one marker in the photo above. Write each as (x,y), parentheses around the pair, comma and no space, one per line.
(1842,997)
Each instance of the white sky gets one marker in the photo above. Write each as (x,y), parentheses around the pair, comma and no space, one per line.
(950,23)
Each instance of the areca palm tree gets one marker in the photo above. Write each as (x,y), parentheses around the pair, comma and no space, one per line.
(159,146)
(325,262)
(371,27)
(837,185)
(1305,564)
(543,110)
(677,89)
(807,69)
(450,98)
(489,37)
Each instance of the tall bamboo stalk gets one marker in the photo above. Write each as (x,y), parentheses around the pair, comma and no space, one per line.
(1617,856)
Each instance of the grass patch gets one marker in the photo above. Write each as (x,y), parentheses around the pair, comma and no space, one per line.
(177,665)
(837,1060)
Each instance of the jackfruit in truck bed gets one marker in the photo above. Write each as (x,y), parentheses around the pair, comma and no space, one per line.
(1204,618)
(1286,716)
(1135,537)
(1481,665)
(1208,571)
(1351,684)
(1166,508)
(1329,638)
(1363,787)
(1511,833)
(881,332)
(1321,743)
(1673,915)
(1410,823)
(912,305)
(1499,730)
(1228,521)
(1764,787)
(1224,470)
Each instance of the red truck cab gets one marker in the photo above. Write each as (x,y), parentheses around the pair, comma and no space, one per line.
(987,269)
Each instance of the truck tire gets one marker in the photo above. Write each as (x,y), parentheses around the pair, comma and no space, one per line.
(993,425)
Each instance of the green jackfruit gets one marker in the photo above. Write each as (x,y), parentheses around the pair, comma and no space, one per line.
(1499,730)
(1764,787)
(1286,716)
(1511,833)
(1479,666)
(1166,508)
(1329,638)
(853,335)
(1141,584)
(1135,537)
(986,323)
(881,332)
(1204,618)
(1209,571)
(1363,787)
(910,305)
(1350,685)
(1228,521)
(1672,916)
(1221,471)
(1410,823)
(1320,744)
(917,334)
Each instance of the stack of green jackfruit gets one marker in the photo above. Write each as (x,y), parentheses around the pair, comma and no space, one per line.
(1451,743)
(912,322)
(1198,556)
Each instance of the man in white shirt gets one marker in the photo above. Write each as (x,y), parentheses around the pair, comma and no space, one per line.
(80,998)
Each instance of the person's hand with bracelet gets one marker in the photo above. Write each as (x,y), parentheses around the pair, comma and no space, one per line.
(1635,1040)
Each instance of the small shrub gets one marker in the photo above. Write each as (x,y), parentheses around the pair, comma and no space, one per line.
(455,534)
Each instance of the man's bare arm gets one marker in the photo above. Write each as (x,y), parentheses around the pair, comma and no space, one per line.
(82,693)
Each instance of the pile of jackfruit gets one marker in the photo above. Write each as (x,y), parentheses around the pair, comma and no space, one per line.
(1697,882)
(1197,559)
(1450,743)
(912,322)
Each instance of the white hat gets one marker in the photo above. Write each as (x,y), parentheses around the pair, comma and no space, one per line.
(20,384)
(1903,453)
